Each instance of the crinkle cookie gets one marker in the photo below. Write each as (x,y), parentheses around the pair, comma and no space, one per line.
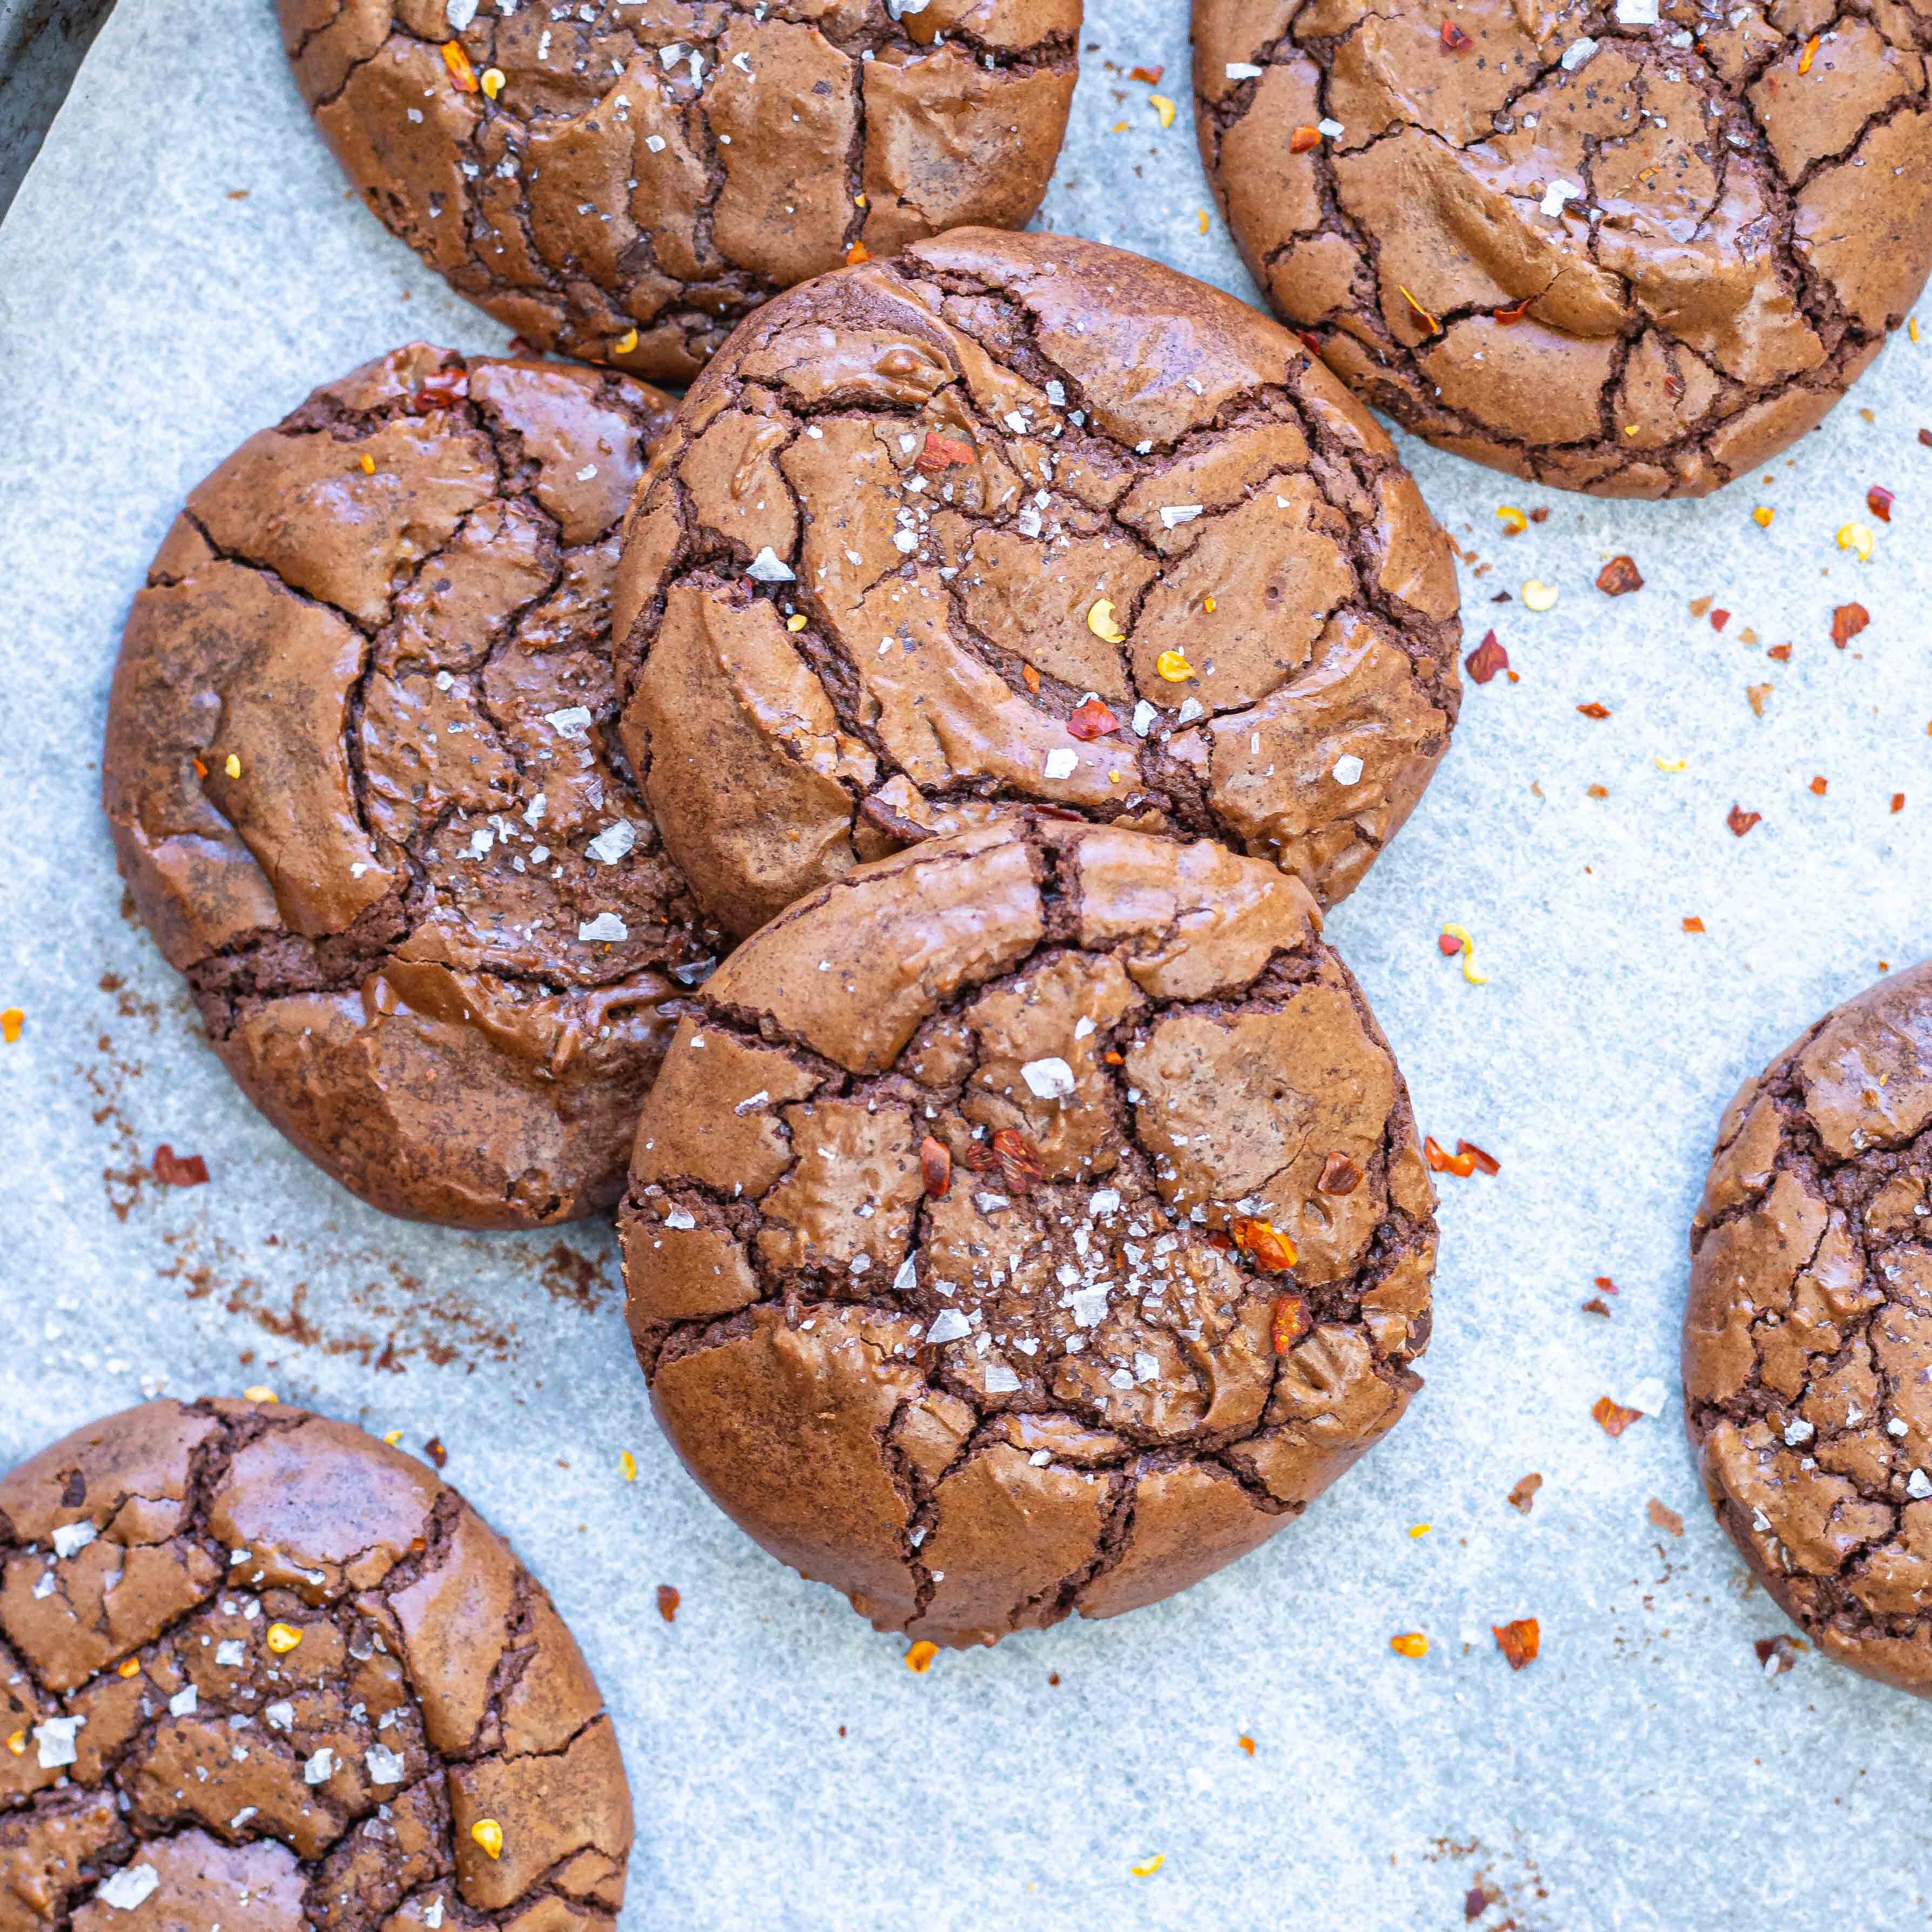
(1032,1221)
(624,180)
(1807,1343)
(1014,519)
(363,781)
(1634,249)
(259,1671)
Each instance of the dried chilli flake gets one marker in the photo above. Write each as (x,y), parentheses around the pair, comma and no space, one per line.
(1523,1495)
(1454,40)
(1264,1244)
(179,1170)
(1091,720)
(1619,576)
(1692,923)
(919,1659)
(1519,1641)
(11,1022)
(1462,1165)
(1487,659)
(935,1167)
(1878,501)
(1611,1417)
(1847,621)
(1339,1175)
(460,72)
(1304,138)
(1665,1518)
(1740,820)
(1593,709)
(1288,1322)
(1485,1163)
(668,1600)
(942,452)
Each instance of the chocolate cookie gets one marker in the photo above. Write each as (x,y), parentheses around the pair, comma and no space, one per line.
(1807,1343)
(1029,1222)
(624,182)
(1635,249)
(262,1672)
(361,777)
(1017,517)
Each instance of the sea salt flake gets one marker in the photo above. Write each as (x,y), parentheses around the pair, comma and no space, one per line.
(1122,1378)
(1061,764)
(232,1654)
(132,1884)
(766,567)
(1333,129)
(70,1538)
(55,1738)
(320,1769)
(1144,714)
(999,1379)
(1576,53)
(1089,1306)
(607,926)
(1173,515)
(1244,71)
(1798,1431)
(182,1703)
(281,1716)
(589,470)
(1348,769)
(907,1280)
(1557,193)
(948,1325)
(1147,1368)
(1049,1079)
(612,843)
(386,1766)
(1103,1201)
(1636,13)
(1918,1485)
(572,722)
(678,1218)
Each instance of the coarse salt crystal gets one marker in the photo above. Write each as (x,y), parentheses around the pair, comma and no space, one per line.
(1244,71)
(948,1325)
(1348,769)
(1173,514)
(70,1538)
(765,567)
(1557,193)
(607,926)
(612,843)
(1050,1079)
(1576,53)
(1062,764)
(1000,1380)
(55,1738)
(386,1766)
(133,1884)
(571,721)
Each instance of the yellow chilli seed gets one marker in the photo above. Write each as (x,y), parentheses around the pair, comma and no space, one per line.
(261,1392)
(1173,667)
(1858,538)
(1410,1643)
(492,81)
(1762,515)
(488,1833)
(130,1667)
(283,1638)
(1537,596)
(628,1464)
(1163,107)
(17,1744)
(796,621)
(1513,521)
(1100,621)
(919,1659)
(625,343)
(231,765)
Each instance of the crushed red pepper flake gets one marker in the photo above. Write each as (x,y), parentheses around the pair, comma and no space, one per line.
(1485,1163)
(1611,1417)
(1878,501)
(1016,1155)
(1593,709)
(1339,1175)
(1447,944)
(1740,820)
(1925,437)
(461,71)
(1523,1495)
(1487,659)
(1461,1165)
(1304,138)
(1091,720)
(1597,1305)
(1604,1282)
(1818,786)
(668,1600)
(1149,76)
(1781,652)
(1519,1640)
(1288,1322)
(1264,1244)
(1541,514)
(935,1167)
(1619,576)
(856,253)
(1847,621)
(1597,790)
(1454,40)
(1777,1654)
(1719,619)
(941,452)
(1692,923)
(1508,318)
(1898,801)
(1757,694)
(1247,1744)
(1699,605)
(1665,1518)
(179,1170)
(442,391)
(1478,1899)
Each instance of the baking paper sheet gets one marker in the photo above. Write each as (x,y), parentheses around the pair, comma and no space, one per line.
(788,1771)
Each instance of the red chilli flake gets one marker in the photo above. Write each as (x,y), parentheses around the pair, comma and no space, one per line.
(1508,318)
(1781,652)
(179,1170)
(1019,1160)
(1692,923)
(1151,76)
(1304,138)
(1898,801)
(1847,621)
(1454,40)
(668,1600)
(1523,1496)
(1265,1245)
(1925,437)
(1289,1322)
(1487,659)
(1485,1163)
(1090,721)
(1448,945)
(1878,500)
(1818,786)
(942,452)
(1339,1175)
(1594,710)
(1740,820)
(935,1167)
(1612,1417)
(1619,576)
(1519,1641)
(1719,619)
(442,391)
(1460,1164)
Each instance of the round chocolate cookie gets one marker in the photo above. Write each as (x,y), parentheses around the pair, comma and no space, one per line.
(1635,249)
(1808,1342)
(1029,1222)
(362,777)
(262,1672)
(1016,518)
(624,182)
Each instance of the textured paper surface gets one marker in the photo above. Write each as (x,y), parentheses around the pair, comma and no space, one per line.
(1643,1773)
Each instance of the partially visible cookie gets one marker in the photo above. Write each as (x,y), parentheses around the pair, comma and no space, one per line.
(1634,249)
(1030,1222)
(362,779)
(1019,519)
(258,1670)
(1808,1342)
(623,182)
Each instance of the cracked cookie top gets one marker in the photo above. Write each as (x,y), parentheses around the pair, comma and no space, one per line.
(625,180)
(1030,1221)
(1018,518)
(1808,1342)
(258,1669)
(362,778)
(1635,249)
